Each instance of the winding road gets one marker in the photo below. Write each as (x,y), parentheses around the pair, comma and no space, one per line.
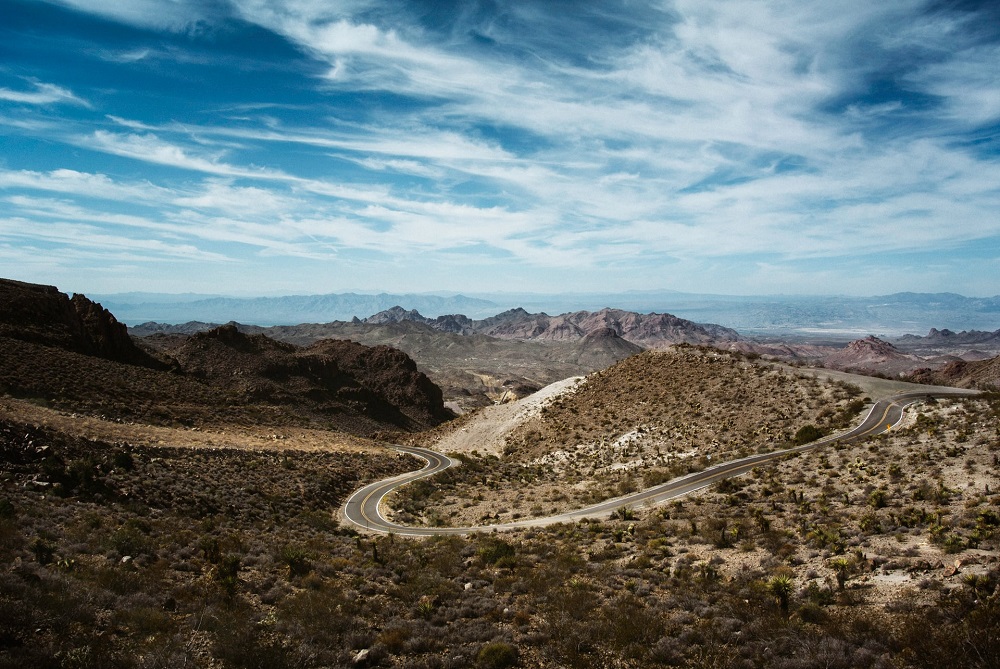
(363,507)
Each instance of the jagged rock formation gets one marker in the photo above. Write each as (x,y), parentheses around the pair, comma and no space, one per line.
(75,354)
(966,345)
(962,374)
(646,330)
(42,315)
(380,382)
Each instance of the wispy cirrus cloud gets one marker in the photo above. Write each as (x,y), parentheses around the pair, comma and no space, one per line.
(679,134)
(42,94)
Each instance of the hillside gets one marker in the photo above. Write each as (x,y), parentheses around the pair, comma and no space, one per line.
(642,421)
(217,545)
(42,315)
(472,369)
(962,374)
(873,355)
(74,355)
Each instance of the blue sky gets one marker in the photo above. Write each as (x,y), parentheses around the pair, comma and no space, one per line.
(262,147)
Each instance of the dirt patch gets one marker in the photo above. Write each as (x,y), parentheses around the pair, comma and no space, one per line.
(487,431)
(261,438)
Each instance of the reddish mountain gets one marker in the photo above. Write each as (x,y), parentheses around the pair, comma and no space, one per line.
(874,355)
(647,330)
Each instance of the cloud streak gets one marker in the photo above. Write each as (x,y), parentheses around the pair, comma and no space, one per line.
(739,140)
(43,94)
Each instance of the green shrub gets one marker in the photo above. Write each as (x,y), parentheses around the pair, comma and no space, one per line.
(806,434)
(496,655)
(497,552)
(297,559)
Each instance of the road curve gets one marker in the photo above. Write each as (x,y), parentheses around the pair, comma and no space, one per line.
(362,509)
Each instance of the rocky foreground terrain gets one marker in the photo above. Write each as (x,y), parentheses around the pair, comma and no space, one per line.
(175,503)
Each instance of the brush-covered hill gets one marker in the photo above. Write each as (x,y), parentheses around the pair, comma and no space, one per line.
(646,419)
(73,354)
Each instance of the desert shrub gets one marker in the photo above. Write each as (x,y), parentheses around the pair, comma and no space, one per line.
(806,434)
(879,498)
(623,513)
(297,559)
(132,538)
(496,655)
(496,551)
(43,550)
(781,587)
(226,574)
(241,644)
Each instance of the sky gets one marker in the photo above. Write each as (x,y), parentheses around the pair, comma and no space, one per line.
(268,147)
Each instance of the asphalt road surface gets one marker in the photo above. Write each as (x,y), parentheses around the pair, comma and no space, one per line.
(363,507)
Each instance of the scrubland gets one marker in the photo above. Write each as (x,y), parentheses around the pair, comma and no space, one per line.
(878,553)
(648,419)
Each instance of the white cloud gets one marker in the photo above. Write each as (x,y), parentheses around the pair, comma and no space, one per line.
(705,132)
(43,94)
(82,184)
(177,15)
(968,82)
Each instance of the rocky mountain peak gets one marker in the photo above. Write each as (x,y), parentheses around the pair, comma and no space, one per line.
(396,314)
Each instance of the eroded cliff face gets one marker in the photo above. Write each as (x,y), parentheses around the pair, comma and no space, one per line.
(43,315)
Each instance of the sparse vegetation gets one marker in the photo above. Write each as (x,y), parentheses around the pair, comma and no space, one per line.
(644,421)
(128,552)
(212,538)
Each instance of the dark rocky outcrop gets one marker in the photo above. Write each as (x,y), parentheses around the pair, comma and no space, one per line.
(43,315)
(75,354)
(962,374)
(334,375)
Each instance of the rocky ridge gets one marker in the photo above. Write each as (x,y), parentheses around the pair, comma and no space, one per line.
(647,330)
(42,315)
(74,354)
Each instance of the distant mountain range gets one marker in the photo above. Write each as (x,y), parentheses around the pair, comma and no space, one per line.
(832,317)
(648,330)
(288,310)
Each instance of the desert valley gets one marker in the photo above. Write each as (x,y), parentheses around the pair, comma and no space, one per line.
(173,495)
